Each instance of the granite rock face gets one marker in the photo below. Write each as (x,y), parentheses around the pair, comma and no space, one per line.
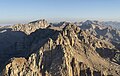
(30,27)
(70,51)
(13,39)
(108,34)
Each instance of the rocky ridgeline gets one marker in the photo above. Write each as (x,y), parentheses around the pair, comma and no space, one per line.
(67,52)
(30,27)
(101,31)
(13,39)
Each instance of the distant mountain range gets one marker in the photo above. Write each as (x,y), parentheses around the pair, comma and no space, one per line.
(89,48)
(112,24)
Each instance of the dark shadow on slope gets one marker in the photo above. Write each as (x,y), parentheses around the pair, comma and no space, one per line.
(18,44)
(106,52)
(109,53)
(116,44)
(38,38)
(52,56)
(11,45)
(88,72)
(97,73)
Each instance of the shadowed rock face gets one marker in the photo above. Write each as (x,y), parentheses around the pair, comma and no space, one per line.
(105,33)
(14,42)
(70,51)
(11,45)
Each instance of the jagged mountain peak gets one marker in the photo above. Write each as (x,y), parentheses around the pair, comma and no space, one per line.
(38,21)
(70,26)
(88,22)
(70,51)
(30,27)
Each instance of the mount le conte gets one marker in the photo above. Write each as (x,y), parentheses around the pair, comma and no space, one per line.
(39,48)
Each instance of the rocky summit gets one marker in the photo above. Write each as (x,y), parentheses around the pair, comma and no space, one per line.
(64,49)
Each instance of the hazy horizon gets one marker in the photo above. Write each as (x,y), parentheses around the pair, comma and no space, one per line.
(23,11)
(54,21)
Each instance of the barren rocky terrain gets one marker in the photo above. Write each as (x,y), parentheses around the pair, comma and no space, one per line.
(65,49)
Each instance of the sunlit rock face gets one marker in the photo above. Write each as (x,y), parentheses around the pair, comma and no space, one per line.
(13,39)
(30,27)
(66,51)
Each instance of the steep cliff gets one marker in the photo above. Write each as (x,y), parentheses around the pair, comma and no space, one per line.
(67,52)
(13,39)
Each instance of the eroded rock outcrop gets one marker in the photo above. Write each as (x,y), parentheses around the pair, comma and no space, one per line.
(14,42)
(69,52)
(30,27)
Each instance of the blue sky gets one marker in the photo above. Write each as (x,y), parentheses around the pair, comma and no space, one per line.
(16,11)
